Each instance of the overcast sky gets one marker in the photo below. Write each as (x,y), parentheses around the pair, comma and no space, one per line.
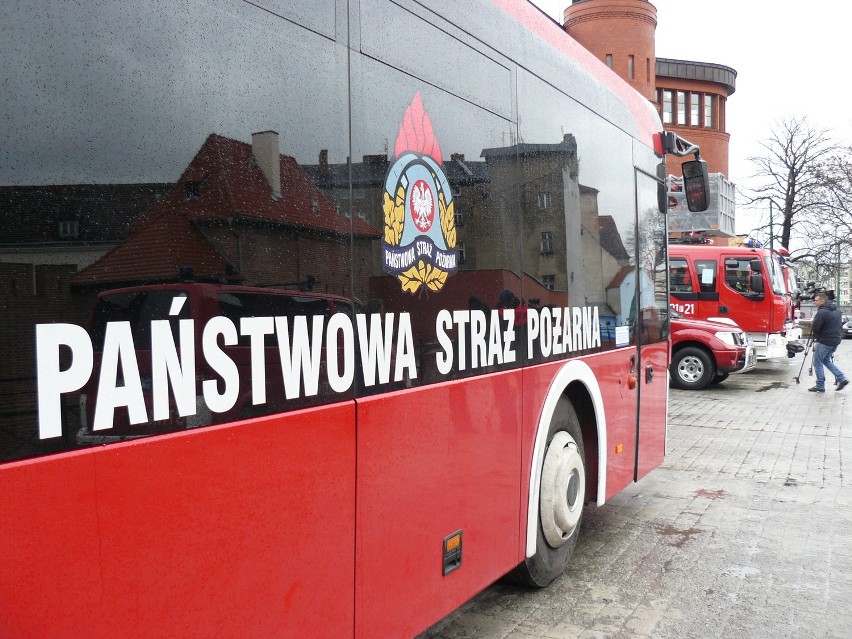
(790,58)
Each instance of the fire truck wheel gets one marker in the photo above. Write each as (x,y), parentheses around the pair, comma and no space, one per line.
(561,498)
(692,369)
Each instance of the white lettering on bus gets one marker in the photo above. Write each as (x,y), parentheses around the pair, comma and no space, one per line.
(52,381)
(256,329)
(312,350)
(339,332)
(167,367)
(375,346)
(406,362)
(444,357)
(545,325)
(221,364)
(119,349)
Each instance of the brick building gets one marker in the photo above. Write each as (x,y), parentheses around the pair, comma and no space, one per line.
(691,97)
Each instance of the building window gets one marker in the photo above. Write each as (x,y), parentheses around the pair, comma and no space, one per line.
(549,281)
(193,190)
(647,69)
(631,71)
(547,243)
(459,219)
(667,107)
(609,60)
(544,200)
(694,109)
(69,228)
(681,107)
(462,253)
(708,110)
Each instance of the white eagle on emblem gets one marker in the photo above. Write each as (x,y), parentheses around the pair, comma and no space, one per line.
(423,204)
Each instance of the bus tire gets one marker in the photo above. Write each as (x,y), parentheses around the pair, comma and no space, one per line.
(692,369)
(561,497)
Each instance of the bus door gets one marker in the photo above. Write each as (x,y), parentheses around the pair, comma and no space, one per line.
(651,376)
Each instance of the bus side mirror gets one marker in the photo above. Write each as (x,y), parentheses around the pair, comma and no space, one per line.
(696,184)
(756,266)
(756,283)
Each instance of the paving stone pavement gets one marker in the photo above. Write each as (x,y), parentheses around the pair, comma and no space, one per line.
(745,531)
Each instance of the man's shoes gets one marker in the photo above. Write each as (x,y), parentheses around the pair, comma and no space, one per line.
(840,385)
(817,389)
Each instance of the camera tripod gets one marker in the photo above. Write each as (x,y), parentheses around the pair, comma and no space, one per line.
(805,358)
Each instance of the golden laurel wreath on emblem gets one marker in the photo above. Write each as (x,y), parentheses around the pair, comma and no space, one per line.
(421,273)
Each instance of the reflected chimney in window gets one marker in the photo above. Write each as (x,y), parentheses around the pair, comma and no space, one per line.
(264,148)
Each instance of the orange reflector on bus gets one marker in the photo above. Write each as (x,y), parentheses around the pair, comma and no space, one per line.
(619,448)
(452,552)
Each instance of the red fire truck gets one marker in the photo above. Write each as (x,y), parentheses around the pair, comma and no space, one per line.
(735,283)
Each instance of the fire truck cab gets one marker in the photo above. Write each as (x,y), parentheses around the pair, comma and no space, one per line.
(743,284)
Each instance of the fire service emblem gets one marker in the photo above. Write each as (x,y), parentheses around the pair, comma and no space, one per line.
(419,245)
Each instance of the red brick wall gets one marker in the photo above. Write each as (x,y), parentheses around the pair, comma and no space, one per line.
(621,28)
(625,27)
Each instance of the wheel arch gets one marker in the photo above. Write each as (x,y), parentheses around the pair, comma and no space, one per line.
(694,344)
(577,382)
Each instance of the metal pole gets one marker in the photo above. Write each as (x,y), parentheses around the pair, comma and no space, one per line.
(771,229)
(837,278)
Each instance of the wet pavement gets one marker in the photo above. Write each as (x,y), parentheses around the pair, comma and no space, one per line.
(745,531)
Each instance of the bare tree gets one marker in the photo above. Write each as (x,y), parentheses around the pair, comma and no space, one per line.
(792,175)
(833,225)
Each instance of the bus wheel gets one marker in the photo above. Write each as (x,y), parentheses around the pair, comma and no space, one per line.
(561,498)
(692,369)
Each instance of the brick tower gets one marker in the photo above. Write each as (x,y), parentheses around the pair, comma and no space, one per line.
(691,97)
(621,33)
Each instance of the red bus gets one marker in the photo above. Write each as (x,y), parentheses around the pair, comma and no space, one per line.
(745,285)
(318,317)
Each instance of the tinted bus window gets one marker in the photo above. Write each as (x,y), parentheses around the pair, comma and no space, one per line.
(138,308)
(143,150)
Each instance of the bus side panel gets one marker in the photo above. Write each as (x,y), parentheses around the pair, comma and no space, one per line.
(239,530)
(432,461)
(652,412)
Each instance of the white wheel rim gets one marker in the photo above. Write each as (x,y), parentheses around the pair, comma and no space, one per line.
(690,369)
(563,489)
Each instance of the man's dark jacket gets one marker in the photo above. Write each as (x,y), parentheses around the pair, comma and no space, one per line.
(827,324)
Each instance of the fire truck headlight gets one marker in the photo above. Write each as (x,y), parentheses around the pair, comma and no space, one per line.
(730,338)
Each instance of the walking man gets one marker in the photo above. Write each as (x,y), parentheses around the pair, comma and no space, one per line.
(826,335)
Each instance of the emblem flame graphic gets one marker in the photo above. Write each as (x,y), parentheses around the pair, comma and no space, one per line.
(415,132)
